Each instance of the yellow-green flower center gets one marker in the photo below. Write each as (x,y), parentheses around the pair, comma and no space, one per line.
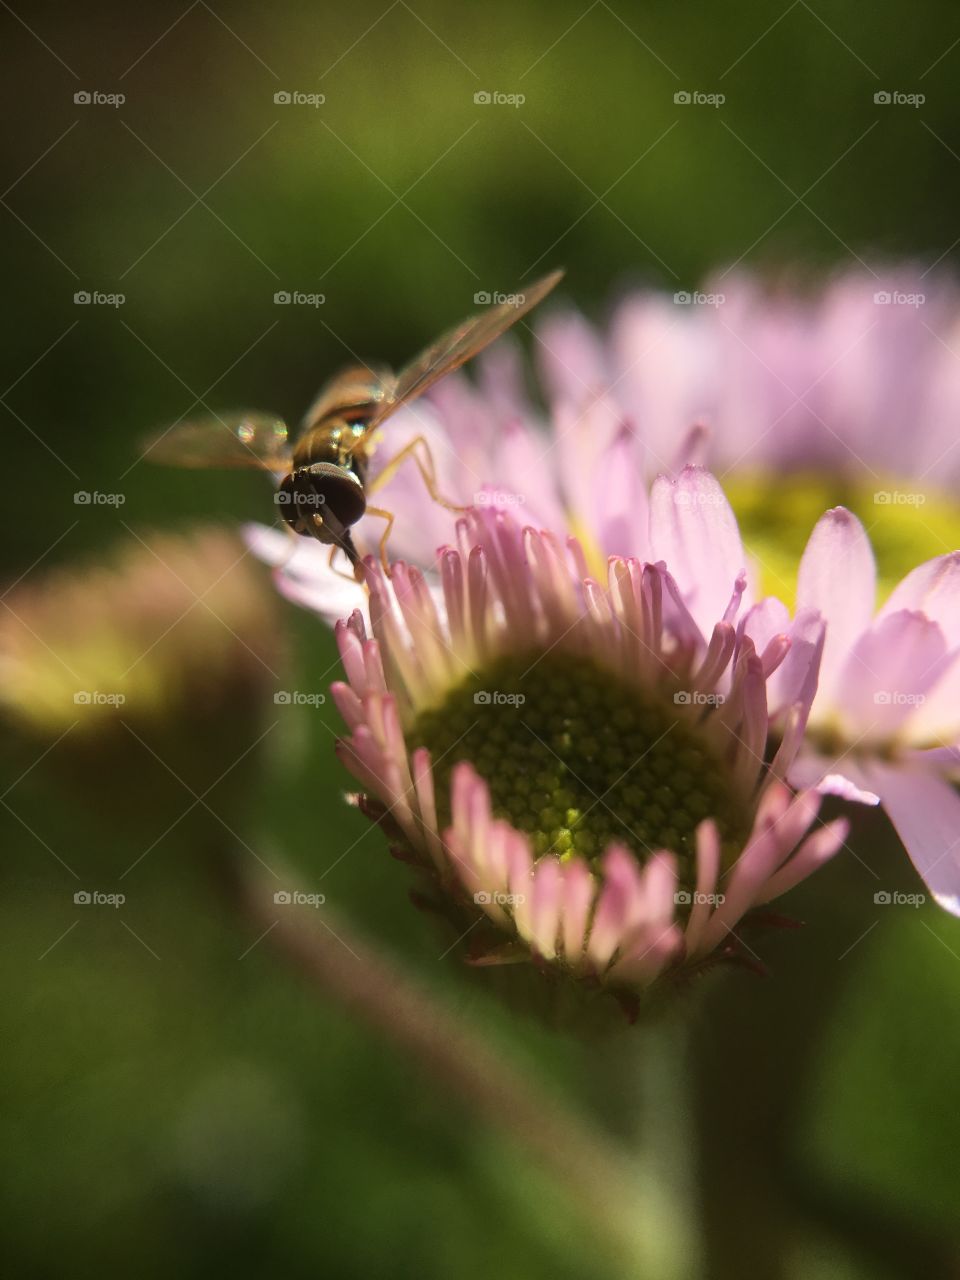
(906,523)
(576,758)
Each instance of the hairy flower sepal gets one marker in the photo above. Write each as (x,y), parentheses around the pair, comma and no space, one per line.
(617,837)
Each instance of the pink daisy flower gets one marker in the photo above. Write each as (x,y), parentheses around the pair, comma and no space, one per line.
(798,396)
(885,724)
(578,768)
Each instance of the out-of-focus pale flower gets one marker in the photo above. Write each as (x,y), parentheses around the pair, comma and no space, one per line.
(860,375)
(172,628)
(579,767)
(885,724)
(811,395)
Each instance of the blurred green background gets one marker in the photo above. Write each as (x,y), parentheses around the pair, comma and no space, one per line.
(171,1108)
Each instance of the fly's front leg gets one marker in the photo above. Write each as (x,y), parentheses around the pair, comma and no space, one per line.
(425,466)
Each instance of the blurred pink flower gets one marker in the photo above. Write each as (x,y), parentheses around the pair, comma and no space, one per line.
(754,380)
(860,375)
(885,723)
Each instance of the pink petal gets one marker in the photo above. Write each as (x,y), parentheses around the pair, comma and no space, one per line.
(841,778)
(578,890)
(888,673)
(619,905)
(708,869)
(925,810)
(421,525)
(571,358)
(837,576)
(525,463)
(304,574)
(765,620)
(933,589)
(467,418)
(501,378)
(795,680)
(693,529)
(936,722)
(546,889)
(584,436)
(817,849)
(667,371)
(623,518)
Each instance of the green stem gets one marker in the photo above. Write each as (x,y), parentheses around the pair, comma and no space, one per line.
(373,987)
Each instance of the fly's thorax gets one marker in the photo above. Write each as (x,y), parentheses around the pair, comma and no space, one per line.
(335,440)
(323,495)
(353,395)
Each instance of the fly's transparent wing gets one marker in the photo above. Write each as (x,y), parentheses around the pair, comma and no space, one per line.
(244,438)
(461,344)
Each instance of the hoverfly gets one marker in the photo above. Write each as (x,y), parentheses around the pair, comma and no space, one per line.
(323,475)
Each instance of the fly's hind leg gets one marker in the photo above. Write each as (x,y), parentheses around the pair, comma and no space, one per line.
(425,466)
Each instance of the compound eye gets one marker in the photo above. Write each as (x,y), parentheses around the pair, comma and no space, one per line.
(286,500)
(337,492)
(301,500)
